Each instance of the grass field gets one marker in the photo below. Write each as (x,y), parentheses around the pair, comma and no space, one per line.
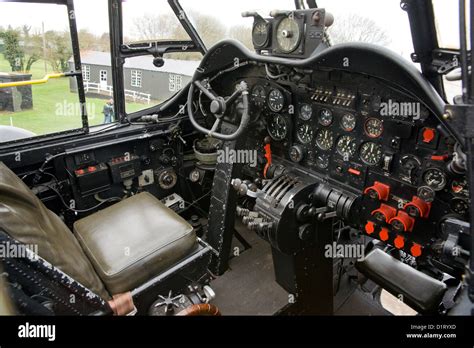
(55,108)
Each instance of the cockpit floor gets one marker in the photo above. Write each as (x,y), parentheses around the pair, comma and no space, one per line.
(249,286)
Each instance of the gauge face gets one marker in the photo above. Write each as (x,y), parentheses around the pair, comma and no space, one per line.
(305,133)
(435,178)
(277,127)
(325,139)
(276,100)
(460,206)
(427,194)
(373,128)
(260,34)
(325,117)
(288,35)
(346,146)
(348,122)
(296,153)
(322,161)
(306,112)
(371,153)
(259,95)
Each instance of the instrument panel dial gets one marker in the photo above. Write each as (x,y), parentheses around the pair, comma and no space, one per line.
(305,133)
(326,117)
(276,100)
(373,128)
(371,153)
(288,35)
(306,112)
(348,122)
(259,95)
(278,127)
(325,139)
(435,178)
(346,146)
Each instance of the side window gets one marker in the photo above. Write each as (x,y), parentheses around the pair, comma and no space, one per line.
(136,80)
(145,84)
(38,43)
(86,73)
(175,82)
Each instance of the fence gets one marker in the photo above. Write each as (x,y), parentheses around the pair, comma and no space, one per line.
(91,87)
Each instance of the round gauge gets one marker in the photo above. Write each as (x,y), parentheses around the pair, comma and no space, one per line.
(348,122)
(277,127)
(259,95)
(260,34)
(305,133)
(346,146)
(460,206)
(322,161)
(371,153)
(288,34)
(325,117)
(296,153)
(426,193)
(373,128)
(276,100)
(306,112)
(435,178)
(325,139)
(460,187)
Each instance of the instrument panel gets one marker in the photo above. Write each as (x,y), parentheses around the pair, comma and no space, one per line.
(358,133)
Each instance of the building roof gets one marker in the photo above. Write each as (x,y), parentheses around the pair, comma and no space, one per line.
(173,66)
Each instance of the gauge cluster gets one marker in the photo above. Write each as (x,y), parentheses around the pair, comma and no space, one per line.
(342,134)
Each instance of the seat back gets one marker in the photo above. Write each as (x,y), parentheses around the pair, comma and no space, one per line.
(25,218)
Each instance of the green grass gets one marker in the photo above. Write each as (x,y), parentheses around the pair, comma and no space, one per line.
(55,108)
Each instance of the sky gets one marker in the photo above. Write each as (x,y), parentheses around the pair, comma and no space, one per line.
(92,14)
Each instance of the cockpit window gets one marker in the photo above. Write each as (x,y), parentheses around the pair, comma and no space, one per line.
(447,22)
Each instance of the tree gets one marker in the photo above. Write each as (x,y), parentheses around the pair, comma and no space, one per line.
(356,28)
(91,42)
(12,50)
(243,34)
(21,49)
(58,50)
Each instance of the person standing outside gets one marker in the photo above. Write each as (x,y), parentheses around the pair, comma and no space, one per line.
(109,113)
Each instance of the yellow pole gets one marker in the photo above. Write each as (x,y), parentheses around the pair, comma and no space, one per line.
(31,82)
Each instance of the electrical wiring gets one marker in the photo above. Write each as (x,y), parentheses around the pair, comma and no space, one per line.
(109,200)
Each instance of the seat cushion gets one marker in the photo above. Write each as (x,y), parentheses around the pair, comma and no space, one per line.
(133,241)
(25,218)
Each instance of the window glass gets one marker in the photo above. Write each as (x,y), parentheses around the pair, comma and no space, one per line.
(38,43)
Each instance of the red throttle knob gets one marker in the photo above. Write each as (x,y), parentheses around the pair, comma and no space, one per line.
(384,235)
(416,250)
(418,208)
(402,222)
(379,191)
(370,228)
(399,242)
(385,213)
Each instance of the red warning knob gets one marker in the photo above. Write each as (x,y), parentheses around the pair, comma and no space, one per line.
(384,235)
(402,222)
(370,227)
(399,242)
(385,213)
(416,250)
(418,208)
(429,135)
(378,191)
